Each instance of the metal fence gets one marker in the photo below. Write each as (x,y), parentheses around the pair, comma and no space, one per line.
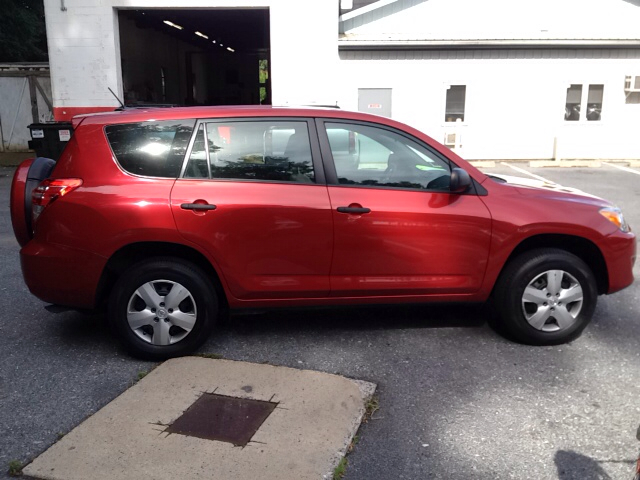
(25,98)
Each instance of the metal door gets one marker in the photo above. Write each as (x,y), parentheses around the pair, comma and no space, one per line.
(375,100)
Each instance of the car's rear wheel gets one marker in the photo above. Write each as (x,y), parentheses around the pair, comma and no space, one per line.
(545,297)
(163,308)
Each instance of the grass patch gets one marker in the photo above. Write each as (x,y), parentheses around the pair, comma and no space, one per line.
(141,374)
(371,407)
(340,469)
(353,444)
(15,468)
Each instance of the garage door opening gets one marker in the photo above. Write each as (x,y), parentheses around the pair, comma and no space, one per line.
(195,57)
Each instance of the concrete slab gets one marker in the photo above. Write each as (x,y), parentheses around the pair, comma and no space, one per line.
(483,163)
(565,163)
(304,437)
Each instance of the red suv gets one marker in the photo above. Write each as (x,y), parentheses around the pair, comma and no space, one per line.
(164,216)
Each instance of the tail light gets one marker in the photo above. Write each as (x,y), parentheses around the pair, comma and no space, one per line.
(49,191)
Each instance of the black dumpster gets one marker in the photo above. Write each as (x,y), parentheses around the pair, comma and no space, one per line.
(49,139)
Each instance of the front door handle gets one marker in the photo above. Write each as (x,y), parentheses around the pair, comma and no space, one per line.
(350,209)
(197,206)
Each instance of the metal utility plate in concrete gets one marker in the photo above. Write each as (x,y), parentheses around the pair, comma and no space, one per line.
(314,419)
(227,419)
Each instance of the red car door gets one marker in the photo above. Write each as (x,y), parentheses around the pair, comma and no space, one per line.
(398,230)
(253,199)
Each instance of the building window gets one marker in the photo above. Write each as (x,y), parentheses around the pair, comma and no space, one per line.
(594,102)
(572,105)
(454,109)
(573,111)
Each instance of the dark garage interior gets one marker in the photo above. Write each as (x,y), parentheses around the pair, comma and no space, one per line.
(195,56)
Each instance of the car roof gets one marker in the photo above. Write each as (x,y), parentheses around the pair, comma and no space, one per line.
(142,114)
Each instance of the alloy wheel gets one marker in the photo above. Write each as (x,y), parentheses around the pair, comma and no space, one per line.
(161,312)
(552,301)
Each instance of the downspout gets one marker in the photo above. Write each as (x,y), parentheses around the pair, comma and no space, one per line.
(1,137)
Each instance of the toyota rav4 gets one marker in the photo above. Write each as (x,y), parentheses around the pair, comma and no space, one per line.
(165,216)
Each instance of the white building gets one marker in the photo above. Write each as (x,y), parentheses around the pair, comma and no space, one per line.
(495,79)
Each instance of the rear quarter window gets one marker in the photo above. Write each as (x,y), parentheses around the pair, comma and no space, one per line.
(151,149)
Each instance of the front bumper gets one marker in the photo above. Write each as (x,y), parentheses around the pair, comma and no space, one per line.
(619,253)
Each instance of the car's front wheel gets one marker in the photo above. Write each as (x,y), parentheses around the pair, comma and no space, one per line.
(545,297)
(163,308)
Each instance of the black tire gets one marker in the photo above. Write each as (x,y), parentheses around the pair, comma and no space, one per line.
(198,310)
(533,270)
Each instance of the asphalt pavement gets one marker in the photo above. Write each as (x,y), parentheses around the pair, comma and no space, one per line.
(457,401)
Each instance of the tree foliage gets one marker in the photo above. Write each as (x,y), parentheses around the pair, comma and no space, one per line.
(22,34)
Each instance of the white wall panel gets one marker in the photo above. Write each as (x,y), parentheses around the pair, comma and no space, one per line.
(514,102)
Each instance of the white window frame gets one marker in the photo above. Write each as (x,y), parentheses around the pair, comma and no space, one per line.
(584,96)
(443,110)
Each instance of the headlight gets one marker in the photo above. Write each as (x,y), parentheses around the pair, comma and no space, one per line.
(614,215)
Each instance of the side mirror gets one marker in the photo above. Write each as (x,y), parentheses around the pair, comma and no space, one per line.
(460,181)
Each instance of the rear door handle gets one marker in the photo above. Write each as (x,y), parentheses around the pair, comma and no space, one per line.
(354,210)
(197,206)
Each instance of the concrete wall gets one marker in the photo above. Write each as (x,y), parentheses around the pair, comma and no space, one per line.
(84,50)
(515,99)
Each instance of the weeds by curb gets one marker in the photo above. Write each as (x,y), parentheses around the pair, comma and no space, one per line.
(371,406)
(215,356)
(15,468)
(340,470)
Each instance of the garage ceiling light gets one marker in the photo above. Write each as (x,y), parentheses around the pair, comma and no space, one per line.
(213,41)
(230,49)
(202,35)
(171,24)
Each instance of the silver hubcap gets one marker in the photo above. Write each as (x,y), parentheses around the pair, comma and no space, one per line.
(552,301)
(161,312)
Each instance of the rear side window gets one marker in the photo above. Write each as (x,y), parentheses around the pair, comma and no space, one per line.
(151,149)
(252,150)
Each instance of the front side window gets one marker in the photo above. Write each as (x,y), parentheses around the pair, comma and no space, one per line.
(573,110)
(151,149)
(372,156)
(454,108)
(256,150)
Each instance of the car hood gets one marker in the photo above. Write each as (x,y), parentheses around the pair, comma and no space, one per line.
(548,189)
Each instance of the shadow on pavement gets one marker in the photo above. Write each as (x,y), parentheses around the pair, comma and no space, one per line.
(385,317)
(575,466)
